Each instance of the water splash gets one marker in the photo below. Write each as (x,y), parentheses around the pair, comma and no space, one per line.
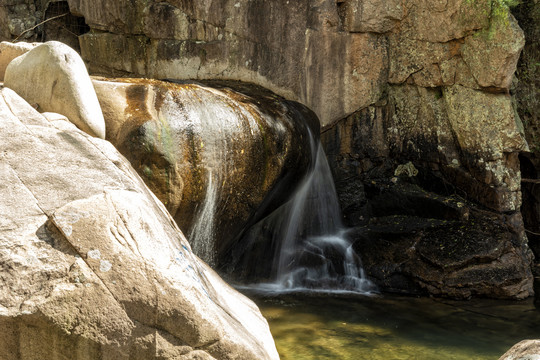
(312,251)
(202,233)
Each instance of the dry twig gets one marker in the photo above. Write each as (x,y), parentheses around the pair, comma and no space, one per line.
(41,23)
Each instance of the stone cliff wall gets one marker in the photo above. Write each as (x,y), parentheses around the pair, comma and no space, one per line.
(444,68)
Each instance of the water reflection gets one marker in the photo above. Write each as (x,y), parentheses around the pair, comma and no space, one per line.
(343,327)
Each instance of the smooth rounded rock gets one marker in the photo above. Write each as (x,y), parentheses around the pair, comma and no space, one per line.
(54,77)
(93,266)
(219,159)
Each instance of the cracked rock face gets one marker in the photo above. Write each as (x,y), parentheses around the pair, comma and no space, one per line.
(298,49)
(92,264)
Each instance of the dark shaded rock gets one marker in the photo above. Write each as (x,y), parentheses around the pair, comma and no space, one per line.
(61,25)
(527,100)
(527,88)
(530,188)
(536,273)
(354,147)
(457,252)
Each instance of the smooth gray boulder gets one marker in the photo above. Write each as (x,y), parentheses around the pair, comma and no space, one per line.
(92,264)
(54,77)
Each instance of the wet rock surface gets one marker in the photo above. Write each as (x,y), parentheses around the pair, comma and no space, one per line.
(433,195)
(220,157)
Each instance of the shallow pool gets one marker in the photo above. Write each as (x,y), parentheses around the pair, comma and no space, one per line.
(317,326)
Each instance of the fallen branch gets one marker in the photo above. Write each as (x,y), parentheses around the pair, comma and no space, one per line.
(532,232)
(532,181)
(41,23)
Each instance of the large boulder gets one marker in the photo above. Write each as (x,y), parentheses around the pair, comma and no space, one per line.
(524,350)
(218,158)
(92,264)
(54,77)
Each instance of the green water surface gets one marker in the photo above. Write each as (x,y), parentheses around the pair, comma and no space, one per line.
(388,327)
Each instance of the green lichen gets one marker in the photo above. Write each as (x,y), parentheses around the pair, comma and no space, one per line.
(147,172)
(500,10)
(499,14)
(166,139)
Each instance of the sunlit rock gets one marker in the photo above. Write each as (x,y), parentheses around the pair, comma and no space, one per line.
(524,350)
(492,54)
(297,49)
(9,51)
(377,16)
(54,77)
(490,136)
(442,21)
(92,264)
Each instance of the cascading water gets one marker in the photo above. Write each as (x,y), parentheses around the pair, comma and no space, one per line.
(202,233)
(312,251)
(222,160)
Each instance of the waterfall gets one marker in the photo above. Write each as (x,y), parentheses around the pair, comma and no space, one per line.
(202,234)
(309,238)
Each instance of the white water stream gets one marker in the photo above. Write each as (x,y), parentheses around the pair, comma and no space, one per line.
(312,250)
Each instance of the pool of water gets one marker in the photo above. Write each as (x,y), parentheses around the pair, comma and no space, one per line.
(322,326)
